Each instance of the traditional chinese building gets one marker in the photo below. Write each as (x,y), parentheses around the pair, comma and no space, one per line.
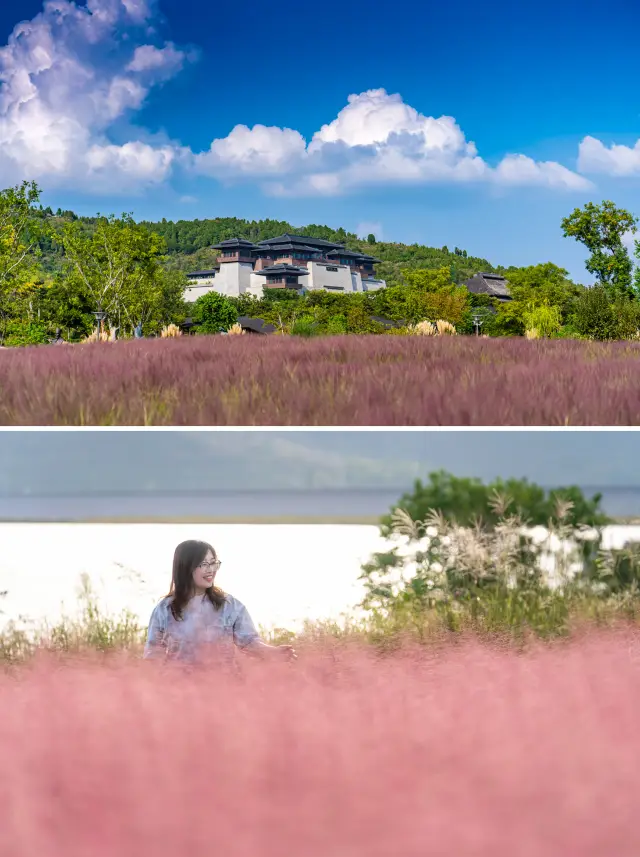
(493,285)
(286,261)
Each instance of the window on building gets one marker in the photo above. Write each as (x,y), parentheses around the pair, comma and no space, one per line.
(334,288)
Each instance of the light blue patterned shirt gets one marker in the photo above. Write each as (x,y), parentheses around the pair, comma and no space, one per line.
(201,632)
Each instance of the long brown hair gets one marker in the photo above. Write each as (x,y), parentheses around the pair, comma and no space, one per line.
(187,557)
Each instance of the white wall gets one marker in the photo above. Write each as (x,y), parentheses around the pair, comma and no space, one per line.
(320,278)
(373,285)
(237,278)
(232,280)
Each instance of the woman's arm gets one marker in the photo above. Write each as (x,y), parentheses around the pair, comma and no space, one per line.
(265,650)
(247,638)
(155,646)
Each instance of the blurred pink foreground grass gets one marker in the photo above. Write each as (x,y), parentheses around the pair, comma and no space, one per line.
(373,380)
(463,750)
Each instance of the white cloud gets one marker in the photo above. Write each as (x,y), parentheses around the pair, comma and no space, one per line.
(614,160)
(72,76)
(150,58)
(376,139)
(257,150)
(65,78)
(518,169)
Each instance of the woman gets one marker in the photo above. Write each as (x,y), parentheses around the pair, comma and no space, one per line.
(196,620)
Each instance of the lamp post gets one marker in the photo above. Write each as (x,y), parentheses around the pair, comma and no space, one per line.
(478,321)
(100,317)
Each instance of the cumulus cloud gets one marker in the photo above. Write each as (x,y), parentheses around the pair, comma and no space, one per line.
(65,78)
(614,160)
(376,139)
(73,76)
(252,151)
(151,58)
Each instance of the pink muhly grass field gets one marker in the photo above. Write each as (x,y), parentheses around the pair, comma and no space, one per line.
(466,750)
(374,380)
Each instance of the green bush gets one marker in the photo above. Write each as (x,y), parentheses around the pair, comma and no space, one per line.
(19,333)
(468,501)
(215,312)
(594,315)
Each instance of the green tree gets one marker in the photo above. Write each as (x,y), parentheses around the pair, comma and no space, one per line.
(117,267)
(216,313)
(594,315)
(542,284)
(601,229)
(469,501)
(22,226)
(371,238)
(543,318)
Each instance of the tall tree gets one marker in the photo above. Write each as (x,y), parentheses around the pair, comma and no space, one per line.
(117,267)
(21,228)
(601,229)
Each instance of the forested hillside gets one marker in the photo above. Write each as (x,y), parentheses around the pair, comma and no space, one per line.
(189,243)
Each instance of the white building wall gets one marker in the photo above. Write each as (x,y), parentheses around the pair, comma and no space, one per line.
(321,278)
(238,278)
(256,285)
(199,287)
(232,280)
(372,285)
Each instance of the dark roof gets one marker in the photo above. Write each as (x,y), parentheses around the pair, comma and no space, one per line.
(233,244)
(368,258)
(257,325)
(342,251)
(297,247)
(387,322)
(287,238)
(494,285)
(282,269)
(210,273)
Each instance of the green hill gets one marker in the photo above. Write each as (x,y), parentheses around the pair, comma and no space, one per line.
(189,245)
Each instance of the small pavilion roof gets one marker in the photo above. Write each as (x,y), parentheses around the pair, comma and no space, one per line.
(256,325)
(212,272)
(494,285)
(290,270)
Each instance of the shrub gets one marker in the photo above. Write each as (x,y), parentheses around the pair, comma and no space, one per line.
(215,312)
(18,333)
(594,316)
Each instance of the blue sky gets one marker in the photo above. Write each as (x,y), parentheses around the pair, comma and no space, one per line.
(330,114)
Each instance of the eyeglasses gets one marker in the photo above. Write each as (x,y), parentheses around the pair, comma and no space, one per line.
(214,565)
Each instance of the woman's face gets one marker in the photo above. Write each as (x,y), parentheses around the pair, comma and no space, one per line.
(205,573)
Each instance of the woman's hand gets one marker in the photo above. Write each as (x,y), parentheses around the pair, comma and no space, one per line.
(288,652)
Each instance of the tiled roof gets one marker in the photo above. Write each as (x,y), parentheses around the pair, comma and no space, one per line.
(298,248)
(257,325)
(288,238)
(282,269)
(234,243)
(494,285)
